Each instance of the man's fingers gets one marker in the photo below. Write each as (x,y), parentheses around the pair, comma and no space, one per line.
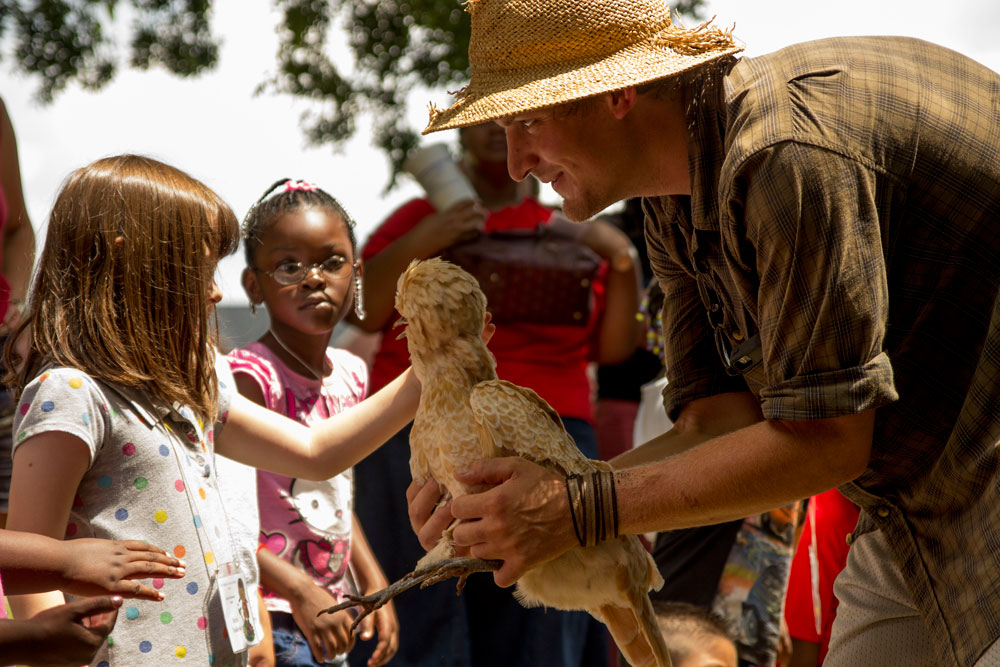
(430,532)
(422,500)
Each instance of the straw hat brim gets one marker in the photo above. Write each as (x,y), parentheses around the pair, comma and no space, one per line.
(497,95)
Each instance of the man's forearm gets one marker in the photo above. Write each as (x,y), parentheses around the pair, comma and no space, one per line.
(745,472)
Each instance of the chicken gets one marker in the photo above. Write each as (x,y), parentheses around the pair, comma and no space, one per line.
(466,414)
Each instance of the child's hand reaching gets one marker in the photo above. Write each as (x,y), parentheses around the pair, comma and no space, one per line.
(65,636)
(102,567)
(384,622)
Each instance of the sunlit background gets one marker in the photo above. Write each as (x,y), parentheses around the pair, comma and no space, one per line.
(216,127)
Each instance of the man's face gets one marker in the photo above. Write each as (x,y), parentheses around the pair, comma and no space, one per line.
(570,149)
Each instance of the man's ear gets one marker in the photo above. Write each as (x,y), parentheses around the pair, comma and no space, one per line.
(251,286)
(620,102)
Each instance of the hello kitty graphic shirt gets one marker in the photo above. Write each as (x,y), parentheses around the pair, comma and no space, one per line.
(306,523)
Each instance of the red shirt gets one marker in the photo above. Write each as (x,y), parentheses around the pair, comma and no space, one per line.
(836,517)
(552,360)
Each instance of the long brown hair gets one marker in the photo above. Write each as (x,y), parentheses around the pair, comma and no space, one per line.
(121,290)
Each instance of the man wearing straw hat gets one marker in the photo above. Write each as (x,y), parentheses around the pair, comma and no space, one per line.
(825,223)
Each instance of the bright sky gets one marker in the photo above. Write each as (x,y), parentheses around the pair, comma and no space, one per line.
(215,128)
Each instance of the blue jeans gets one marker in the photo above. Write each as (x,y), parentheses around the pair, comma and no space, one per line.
(290,646)
(485,626)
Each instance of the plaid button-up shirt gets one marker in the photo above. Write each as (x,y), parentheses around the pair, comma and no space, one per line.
(845,206)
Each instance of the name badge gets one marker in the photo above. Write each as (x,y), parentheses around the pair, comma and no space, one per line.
(240,608)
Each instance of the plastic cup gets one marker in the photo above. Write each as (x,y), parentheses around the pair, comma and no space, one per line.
(442,180)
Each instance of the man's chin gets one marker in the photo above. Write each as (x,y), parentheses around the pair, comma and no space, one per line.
(578,211)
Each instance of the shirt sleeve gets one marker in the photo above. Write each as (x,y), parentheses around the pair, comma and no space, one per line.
(64,400)
(261,371)
(396,225)
(809,230)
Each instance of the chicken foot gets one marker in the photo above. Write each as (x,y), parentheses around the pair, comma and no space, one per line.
(425,576)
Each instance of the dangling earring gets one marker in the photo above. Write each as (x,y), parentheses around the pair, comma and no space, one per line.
(359,305)
(253,308)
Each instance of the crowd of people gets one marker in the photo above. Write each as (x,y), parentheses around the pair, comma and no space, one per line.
(802,286)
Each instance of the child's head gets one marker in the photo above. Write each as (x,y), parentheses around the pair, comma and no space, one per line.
(695,636)
(301,258)
(125,281)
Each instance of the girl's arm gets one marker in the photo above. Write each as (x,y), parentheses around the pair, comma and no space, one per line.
(33,563)
(371,579)
(48,468)
(264,439)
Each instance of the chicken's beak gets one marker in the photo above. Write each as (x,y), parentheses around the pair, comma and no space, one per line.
(400,322)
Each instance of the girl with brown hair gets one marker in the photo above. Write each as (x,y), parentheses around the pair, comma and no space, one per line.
(120,412)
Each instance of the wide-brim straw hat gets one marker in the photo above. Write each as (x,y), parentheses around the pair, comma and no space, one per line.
(530,54)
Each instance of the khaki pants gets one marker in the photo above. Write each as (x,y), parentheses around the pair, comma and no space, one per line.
(877,622)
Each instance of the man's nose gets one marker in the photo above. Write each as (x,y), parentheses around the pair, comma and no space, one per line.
(520,159)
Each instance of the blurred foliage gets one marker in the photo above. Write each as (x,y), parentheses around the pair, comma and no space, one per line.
(61,41)
(396,45)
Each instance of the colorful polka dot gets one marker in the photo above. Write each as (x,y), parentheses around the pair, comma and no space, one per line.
(44,377)
(157,584)
(202,623)
(197,521)
(104,482)
(180,551)
(164,450)
(208,470)
(140,483)
(160,516)
(86,419)
(201,493)
(166,617)
(145,647)
(211,658)
(111,641)
(209,557)
(192,588)
(76,383)
(128,449)
(132,613)
(103,663)
(48,406)
(24,408)
(180,652)
(71,530)
(179,485)
(121,514)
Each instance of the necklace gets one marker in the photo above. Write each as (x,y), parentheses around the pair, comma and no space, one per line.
(297,358)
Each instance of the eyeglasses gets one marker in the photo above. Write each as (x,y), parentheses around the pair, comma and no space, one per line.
(290,273)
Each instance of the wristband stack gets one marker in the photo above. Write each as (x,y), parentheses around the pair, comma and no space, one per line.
(593,506)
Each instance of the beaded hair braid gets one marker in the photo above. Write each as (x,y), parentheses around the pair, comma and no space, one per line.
(287,195)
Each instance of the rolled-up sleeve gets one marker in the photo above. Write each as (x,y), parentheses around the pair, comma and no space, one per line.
(810,219)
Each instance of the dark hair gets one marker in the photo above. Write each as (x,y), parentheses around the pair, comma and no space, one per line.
(692,618)
(293,196)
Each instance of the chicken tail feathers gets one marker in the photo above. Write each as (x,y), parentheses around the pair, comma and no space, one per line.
(636,633)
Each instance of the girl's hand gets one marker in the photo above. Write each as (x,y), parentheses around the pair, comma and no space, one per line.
(463,221)
(383,621)
(328,634)
(92,567)
(69,635)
